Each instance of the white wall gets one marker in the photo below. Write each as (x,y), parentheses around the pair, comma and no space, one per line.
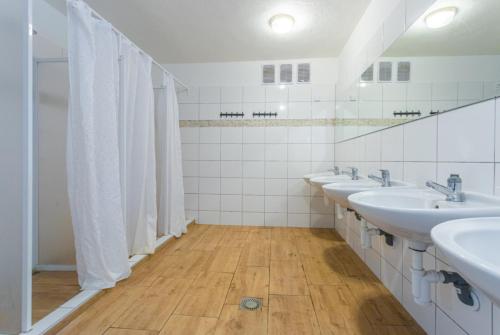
(14,206)
(429,149)
(244,173)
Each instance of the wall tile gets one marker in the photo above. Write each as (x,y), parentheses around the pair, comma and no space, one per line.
(190,135)
(253,219)
(191,168)
(298,204)
(231,135)
(254,94)
(418,173)
(424,315)
(232,94)
(392,279)
(209,111)
(231,203)
(254,134)
(419,91)
(210,169)
(299,220)
(298,187)
(393,254)
(189,96)
(392,144)
(230,186)
(278,93)
(373,148)
(210,94)
(470,91)
(190,152)
(210,152)
(300,93)
(209,217)
(322,134)
(231,152)
(373,260)
(275,204)
(497,130)
(323,92)
(299,152)
(231,169)
(478,322)
(209,185)
(253,203)
(191,184)
(321,221)
(188,111)
(496,320)
(446,326)
(209,202)
(299,135)
(253,186)
(191,201)
(231,218)
(467,134)
(253,152)
(276,134)
(252,169)
(322,152)
(420,140)
(299,110)
(231,108)
(275,186)
(275,170)
(276,152)
(298,169)
(210,135)
(323,110)
(445,91)
(275,219)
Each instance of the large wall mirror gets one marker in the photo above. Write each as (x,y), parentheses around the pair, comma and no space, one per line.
(449,58)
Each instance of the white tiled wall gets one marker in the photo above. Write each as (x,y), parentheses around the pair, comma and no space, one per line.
(251,175)
(289,101)
(463,141)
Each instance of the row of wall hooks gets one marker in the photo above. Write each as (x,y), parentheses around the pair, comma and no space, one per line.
(231,115)
(414,113)
(264,115)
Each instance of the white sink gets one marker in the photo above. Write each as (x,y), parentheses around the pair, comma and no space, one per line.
(471,247)
(339,192)
(320,181)
(411,213)
(310,176)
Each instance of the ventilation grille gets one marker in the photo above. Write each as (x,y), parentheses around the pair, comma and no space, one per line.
(304,73)
(404,70)
(268,74)
(385,71)
(286,73)
(368,74)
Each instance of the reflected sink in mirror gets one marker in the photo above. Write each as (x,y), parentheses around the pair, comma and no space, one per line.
(411,213)
(471,247)
(339,192)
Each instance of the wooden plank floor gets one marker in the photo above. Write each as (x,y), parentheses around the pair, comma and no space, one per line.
(50,290)
(310,282)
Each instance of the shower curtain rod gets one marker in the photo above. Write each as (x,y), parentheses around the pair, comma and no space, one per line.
(120,34)
(65,60)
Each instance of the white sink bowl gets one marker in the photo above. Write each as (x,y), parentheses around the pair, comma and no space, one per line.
(339,192)
(471,247)
(308,177)
(411,213)
(320,181)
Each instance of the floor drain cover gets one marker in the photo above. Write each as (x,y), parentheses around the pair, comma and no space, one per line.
(250,304)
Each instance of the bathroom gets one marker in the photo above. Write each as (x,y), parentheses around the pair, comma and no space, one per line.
(278,167)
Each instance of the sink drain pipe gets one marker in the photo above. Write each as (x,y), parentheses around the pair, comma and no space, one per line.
(422,279)
(366,234)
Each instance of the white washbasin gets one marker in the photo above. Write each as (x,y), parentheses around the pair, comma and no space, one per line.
(308,177)
(339,192)
(411,213)
(471,247)
(320,181)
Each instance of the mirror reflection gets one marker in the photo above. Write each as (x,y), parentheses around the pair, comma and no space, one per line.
(449,58)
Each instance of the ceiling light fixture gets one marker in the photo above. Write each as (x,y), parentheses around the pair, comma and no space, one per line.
(282,23)
(441,17)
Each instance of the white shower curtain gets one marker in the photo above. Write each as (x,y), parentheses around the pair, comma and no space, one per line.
(171,216)
(93,150)
(137,149)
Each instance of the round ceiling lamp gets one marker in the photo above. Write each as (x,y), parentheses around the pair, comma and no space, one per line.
(441,17)
(282,23)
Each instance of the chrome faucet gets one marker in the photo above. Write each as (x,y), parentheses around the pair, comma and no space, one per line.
(453,191)
(385,180)
(335,170)
(353,173)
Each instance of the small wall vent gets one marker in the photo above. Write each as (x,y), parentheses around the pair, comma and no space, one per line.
(304,73)
(385,71)
(286,73)
(404,71)
(367,76)
(268,74)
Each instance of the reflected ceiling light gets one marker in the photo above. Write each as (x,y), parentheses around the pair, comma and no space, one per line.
(441,17)
(282,23)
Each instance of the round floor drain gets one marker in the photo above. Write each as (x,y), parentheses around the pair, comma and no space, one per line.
(250,304)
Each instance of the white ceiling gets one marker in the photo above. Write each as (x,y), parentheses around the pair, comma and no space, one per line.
(181,31)
(474,31)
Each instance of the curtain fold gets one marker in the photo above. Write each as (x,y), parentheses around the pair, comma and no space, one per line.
(137,149)
(93,150)
(171,215)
